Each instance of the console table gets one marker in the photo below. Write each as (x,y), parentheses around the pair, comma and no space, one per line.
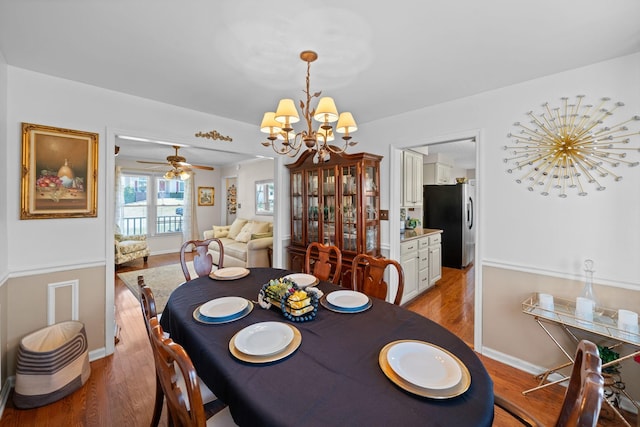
(603,325)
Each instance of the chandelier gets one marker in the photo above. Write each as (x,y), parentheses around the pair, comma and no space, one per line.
(284,140)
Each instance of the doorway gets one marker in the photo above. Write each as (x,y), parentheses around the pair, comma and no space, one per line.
(463,149)
(231,188)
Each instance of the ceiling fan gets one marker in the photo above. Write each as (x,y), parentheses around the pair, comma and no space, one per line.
(179,164)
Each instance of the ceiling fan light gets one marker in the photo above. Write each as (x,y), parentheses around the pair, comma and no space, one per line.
(169,175)
(326,110)
(346,123)
(286,111)
(184,175)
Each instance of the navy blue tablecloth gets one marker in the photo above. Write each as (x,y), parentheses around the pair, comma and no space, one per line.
(333,378)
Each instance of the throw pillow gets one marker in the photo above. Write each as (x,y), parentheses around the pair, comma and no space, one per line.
(261,235)
(235,228)
(245,234)
(220,231)
(260,227)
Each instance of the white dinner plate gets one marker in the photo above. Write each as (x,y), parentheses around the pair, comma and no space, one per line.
(223,307)
(229,273)
(264,338)
(424,365)
(347,299)
(302,280)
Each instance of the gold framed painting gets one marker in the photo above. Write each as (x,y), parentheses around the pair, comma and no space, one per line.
(206,196)
(59,173)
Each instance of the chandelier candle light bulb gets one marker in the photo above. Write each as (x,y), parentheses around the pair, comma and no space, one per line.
(278,124)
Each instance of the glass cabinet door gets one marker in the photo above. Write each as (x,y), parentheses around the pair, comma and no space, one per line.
(349,209)
(313,208)
(296,207)
(329,206)
(370,179)
(371,208)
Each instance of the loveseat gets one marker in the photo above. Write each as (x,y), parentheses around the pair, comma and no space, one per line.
(246,243)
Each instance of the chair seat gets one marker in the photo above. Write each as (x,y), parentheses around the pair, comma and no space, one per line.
(130,246)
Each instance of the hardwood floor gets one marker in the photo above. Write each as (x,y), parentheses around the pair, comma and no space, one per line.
(120,391)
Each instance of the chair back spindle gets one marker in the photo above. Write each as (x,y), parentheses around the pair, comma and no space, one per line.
(367,276)
(318,262)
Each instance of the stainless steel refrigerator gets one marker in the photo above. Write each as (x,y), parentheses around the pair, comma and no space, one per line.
(451,209)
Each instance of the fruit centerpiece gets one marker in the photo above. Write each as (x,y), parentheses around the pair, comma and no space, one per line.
(296,304)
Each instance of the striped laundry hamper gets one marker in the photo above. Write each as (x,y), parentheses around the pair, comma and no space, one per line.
(53,362)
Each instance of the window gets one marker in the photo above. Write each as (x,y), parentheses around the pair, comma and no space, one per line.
(264,197)
(151,204)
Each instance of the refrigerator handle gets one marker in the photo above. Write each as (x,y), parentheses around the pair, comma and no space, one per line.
(470,213)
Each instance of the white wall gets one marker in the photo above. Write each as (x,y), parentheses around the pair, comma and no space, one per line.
(47,100)
(517,227)
(3,171)
(247,173)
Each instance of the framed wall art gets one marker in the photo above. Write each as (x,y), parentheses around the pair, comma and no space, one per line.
(206,196)
(59,173)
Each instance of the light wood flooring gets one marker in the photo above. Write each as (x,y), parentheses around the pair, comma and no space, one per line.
(120,391)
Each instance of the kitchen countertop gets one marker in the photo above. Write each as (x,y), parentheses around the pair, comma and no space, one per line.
(417,232)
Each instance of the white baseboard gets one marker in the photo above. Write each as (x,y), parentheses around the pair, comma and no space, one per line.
(98,353)
(534,370)
(4,393)
(519,363)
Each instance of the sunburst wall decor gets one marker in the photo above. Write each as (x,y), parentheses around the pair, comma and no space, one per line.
(569,146)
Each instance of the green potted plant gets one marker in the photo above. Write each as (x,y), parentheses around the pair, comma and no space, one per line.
(412,223)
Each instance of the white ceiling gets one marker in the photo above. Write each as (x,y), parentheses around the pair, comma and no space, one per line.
(236,58)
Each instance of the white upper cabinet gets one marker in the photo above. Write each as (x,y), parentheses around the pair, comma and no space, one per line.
(411,179)
(437,174)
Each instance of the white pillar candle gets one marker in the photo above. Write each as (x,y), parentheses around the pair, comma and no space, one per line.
(546,301)
(628,320)
(584,308)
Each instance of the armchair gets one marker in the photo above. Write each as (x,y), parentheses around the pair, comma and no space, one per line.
(129,248)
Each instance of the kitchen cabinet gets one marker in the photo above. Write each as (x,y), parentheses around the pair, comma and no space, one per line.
(435,258)
(409,263)
(437,174)
(412,179)
(336,202)
(423,264)
(420,257)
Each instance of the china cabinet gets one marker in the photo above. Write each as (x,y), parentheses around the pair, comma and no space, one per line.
(336,202)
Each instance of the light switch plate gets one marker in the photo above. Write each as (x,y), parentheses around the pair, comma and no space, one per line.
(384,214)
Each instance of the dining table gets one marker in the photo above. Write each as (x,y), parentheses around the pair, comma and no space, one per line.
(335,376)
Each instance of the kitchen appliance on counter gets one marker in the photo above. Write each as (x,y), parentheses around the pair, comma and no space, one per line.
(451,208)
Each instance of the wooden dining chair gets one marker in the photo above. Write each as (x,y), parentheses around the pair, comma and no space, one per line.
(583,398)
(148,306)
(317,262)
(367,276)
(180,385)
(202,260)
